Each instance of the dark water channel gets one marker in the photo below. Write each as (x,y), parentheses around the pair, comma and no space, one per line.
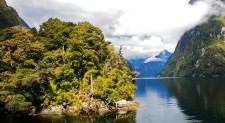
(169,100)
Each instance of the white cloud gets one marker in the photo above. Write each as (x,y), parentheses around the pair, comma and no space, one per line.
(143,27)
(152,59)
(136,48)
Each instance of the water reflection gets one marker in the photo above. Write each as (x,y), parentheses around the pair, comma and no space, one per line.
(157,104)
(109,118)
(200,99)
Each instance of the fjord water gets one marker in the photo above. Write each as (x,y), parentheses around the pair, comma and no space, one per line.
(179,100)
(168,100)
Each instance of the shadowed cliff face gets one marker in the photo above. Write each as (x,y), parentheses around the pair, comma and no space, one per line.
(8,16)
(200,52)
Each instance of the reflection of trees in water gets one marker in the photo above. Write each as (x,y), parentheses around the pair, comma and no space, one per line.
(117,118)
(111,118)
(108,118)
(204,99)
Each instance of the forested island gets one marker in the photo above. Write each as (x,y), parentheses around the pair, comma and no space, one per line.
(63,65)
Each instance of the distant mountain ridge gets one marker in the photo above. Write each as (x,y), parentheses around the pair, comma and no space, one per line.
(200,52)
(136,62)
(154,65)
(150,67)
(163,56)
(24,24)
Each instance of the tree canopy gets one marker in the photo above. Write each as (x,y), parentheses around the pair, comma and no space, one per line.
(61,63)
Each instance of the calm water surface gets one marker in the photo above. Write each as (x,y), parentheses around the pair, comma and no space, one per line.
(169,100)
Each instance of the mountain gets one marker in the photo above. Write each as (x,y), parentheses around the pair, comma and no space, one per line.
(24,24)
(152,66)
(200,52)
(136,62)
(9,17)
(164,55)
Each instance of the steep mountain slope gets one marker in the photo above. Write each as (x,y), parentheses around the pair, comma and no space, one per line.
(8,16)
(200,52)
(154,65)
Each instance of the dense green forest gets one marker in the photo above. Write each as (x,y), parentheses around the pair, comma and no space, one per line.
(200,52)
(61,63)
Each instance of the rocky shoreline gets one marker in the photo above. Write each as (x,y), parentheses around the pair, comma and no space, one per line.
(120,107)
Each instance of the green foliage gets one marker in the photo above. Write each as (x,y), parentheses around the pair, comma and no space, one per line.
(116,83)
(18,98)
(61,63)
(200,52)
(18,104)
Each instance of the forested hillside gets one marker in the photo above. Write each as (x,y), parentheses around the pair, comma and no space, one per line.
(200,52)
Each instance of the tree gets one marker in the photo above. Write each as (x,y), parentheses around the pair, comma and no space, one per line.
(62,63)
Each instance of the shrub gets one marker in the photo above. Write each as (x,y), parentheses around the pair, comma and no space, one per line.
(18,104)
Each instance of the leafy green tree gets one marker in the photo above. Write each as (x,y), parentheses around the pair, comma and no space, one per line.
(19,57)
(18,104)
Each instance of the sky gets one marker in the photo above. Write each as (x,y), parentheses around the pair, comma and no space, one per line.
(143,27)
